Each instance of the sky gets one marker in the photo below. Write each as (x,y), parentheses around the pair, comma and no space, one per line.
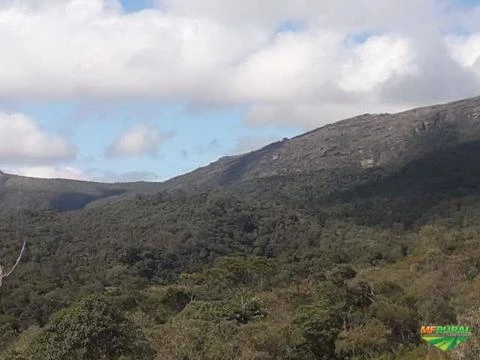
(145,90)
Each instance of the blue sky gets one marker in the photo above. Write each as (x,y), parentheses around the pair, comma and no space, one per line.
(136,5)
(462,2)
(199,137)
(152,95)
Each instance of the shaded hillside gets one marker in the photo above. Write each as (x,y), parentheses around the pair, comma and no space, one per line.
(412,193)
(23,193)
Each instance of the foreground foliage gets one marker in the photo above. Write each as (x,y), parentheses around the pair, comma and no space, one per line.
(280,269)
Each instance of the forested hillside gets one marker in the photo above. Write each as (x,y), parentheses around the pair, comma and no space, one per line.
(23,193)
(332,264)
(226,275)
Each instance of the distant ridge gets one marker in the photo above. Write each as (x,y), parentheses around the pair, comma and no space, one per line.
(25,193)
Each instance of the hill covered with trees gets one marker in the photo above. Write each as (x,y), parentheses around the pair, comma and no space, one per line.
(341,262)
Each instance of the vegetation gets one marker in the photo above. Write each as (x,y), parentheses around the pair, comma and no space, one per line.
(282,268)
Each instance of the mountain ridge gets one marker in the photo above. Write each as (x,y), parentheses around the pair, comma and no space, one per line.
(363,144)
(26,193)
(385,142)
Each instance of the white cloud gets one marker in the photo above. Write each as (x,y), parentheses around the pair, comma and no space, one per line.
(312,115)
(59,50)
(73,173)
(466,50)
(224,52)
(50,172)
(23,141)
(247,144)
(129,176)
(141,140)
(374,62)
(293,65)
(337,14)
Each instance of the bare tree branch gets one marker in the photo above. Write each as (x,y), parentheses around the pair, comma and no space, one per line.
(2,274)
(18,260)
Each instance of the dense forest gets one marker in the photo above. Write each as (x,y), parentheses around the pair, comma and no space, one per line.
(301,266)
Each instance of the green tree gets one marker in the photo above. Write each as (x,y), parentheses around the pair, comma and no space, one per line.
(91,329)
(320,328)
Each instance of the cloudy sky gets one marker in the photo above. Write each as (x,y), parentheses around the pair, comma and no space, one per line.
(129,90)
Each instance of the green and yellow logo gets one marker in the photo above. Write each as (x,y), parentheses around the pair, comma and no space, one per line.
(445,338)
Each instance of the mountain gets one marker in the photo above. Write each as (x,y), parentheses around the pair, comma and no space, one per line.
(355,149)
(24,193)
(337,244)
(383,143)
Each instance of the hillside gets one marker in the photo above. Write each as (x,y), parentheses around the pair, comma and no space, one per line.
(363,146)
(334,245)
(23,193)
(384,143)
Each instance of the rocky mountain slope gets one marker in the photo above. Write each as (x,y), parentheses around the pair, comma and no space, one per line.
(384,143)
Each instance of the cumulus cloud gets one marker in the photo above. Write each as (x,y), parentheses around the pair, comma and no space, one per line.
(23,141)
(141,140)
(51,172)
(466,51)
(229,52)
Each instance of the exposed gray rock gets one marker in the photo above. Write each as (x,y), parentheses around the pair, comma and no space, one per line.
(385,142)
